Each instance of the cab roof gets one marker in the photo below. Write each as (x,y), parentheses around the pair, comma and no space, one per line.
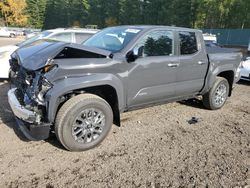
(149,27)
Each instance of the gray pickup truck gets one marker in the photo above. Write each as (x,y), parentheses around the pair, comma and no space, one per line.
(79,91)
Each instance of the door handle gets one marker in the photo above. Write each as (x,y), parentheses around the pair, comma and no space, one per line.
(201,62)
(173,65)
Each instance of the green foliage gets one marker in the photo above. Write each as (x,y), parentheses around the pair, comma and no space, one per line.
(36,11)
(12,12)
(187,13)
(65,13)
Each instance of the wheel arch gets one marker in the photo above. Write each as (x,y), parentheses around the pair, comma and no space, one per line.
(110,90)
(226,72)
(229,76)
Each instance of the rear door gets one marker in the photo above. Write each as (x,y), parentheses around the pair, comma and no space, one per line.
(191,72)
(152,77)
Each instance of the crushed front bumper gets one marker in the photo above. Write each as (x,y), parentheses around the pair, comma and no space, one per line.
(27,120)
(20,111)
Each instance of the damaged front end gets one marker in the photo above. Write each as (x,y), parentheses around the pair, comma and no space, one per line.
(32,76)
(27,102)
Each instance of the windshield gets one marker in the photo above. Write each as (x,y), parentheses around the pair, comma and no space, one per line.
(36,37)
(112,39)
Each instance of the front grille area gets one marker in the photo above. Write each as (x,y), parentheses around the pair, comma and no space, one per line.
(19,79)
(22,79)
(20,96)
(14,63)
(27,87)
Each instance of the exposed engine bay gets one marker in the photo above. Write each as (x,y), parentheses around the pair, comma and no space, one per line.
(31,86)
(28,74)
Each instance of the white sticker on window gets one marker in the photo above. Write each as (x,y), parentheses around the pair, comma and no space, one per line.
(132,30)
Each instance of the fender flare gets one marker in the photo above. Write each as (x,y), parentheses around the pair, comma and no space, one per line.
(214,72)
(67,85)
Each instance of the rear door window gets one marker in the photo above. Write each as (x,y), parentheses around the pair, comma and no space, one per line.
(188,43)
(156,43)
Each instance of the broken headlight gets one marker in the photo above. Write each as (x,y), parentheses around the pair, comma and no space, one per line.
(48,68)
(45,86)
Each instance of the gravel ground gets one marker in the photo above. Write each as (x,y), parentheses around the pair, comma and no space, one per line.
(155,147)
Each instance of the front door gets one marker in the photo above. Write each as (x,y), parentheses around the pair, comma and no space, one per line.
(152,77)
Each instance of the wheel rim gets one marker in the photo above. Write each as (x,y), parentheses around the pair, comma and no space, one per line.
(220,95)
(88,125)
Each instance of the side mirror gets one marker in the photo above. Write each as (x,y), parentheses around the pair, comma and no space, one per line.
(131,57)
(140,51)
(134,54)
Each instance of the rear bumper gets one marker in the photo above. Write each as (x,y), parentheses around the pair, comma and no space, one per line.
(27,121)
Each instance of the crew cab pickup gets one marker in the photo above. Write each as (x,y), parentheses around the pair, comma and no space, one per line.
(79,91)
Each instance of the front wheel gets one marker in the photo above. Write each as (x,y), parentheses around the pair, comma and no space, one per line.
(83,122)
(218,94)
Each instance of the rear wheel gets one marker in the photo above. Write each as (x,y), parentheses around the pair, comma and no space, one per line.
(83,122)
(218,94)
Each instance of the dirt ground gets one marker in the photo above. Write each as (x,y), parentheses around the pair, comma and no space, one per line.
(154,147)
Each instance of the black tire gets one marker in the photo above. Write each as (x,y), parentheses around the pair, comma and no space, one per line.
(12,35)
(67,116)
(209,98)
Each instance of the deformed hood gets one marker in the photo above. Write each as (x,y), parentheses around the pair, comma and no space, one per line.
(36,55)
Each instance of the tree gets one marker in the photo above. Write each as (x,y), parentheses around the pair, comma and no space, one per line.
(111,21)
(131,11)
(13,12)
(239,15)
(36,11)
(187,13)
(96,13)
(1,19)
(66,13)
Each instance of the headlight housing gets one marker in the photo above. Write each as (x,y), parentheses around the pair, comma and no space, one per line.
(48,68)
(44,86)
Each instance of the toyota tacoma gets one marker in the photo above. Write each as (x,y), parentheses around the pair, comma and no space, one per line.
(79,91)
